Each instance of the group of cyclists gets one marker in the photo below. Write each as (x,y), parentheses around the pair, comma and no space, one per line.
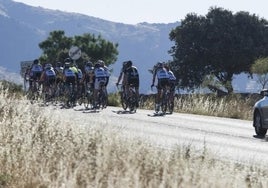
(95,76)
(92,77)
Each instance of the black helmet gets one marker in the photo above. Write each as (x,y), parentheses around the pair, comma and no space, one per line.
(159,65)
(129,63)
(66,64)
(89,63)
(101,62)
(67,60)
(58,64)
(36,61)
(97,65)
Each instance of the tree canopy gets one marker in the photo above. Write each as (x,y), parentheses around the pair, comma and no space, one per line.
(260,68)
(219,44)
(56,47)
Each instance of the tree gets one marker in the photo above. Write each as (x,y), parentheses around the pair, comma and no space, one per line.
(220,44)
(260,68)
(56,46)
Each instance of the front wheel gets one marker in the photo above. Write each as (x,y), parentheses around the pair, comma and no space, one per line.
(258,125)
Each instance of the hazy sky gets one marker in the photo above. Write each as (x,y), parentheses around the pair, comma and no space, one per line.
(152,11)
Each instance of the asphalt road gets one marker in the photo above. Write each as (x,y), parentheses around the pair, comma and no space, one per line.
(227,139)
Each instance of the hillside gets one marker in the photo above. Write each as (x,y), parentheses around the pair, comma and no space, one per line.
(26,26)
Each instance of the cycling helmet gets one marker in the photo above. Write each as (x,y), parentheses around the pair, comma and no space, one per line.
(67,60)
(58,64)
(101,62)
(48,66)
(36,61)
(97,65)
(129,63)
(159,65)
(89,64)
(67,64)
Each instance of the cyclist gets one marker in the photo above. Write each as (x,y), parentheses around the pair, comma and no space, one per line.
(122,77)
(162,76)
(88,76)
(172,83)
(132,78)
(69,76)
(35,72)
(107,73)
(59,72)
(48,77)
(99,78)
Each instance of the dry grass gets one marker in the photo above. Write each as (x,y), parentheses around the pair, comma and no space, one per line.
(39,149)
(233,106)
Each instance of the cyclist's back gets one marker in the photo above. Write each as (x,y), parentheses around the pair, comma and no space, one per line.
(36,70)
(69,74)
(48,76)
(162,81)
(162,76)
(132,79)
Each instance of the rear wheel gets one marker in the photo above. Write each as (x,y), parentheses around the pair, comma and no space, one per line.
(124,101)
(258,125)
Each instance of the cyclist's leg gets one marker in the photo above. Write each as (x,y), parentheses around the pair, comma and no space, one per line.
(96,91)
(158,96)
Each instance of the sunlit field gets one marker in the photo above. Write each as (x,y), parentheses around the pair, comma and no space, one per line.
(40,149)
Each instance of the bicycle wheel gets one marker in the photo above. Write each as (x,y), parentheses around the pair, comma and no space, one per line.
(170,105)
(88,99)
(164,102)
(124,102)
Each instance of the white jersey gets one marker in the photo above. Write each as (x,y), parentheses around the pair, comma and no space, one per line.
(162,73)
(50,73)
(100,72)
(69,73)
(37,68)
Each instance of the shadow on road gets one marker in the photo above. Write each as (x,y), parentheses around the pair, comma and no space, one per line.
(261,137)
(123,112)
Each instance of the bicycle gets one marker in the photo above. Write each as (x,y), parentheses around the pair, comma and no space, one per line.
(164,101)
(69,95)
(34,91)
(102,98)
(87,97)
(49,93)
(128,98)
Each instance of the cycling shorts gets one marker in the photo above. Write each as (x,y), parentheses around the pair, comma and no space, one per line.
(99,81)
(162,83)
(134,81)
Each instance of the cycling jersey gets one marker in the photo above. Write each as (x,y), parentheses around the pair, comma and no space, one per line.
(132,76)
(163,78)
(37,68)
(69,75)
(50,73)
(162,73)
(36,71)
(100,76)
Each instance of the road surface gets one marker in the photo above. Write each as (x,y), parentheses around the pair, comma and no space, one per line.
(227,139)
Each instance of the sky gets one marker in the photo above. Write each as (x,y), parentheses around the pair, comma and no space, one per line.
(151,11)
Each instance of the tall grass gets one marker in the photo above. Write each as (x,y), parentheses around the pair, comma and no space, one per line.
(40,149)
(236,106)
(232,106)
